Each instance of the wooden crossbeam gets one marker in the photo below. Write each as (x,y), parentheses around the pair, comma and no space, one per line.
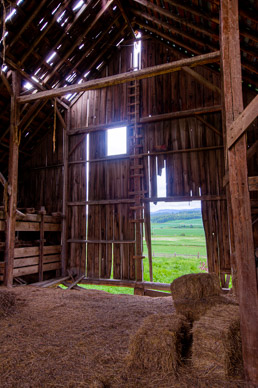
(201,79)
(181,114)
(124,77)
(240,125)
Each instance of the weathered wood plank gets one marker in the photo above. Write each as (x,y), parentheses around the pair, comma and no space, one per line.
(12,182)
(242,122)
(253,183)
(124,77)
(238,184)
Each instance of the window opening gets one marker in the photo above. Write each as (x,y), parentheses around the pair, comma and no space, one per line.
(116,141)
(137,52)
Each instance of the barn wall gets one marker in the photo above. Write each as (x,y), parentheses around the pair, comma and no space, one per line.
(189,173)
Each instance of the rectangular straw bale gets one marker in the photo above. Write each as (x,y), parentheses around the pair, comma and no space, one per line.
(159,344)
(195,286)
(193,309)
(216,351)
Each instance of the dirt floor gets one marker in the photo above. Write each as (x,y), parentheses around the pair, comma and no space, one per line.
(60,338)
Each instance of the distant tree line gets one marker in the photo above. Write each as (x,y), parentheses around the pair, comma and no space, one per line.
(183,215)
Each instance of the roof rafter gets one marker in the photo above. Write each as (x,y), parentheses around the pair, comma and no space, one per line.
(79,40)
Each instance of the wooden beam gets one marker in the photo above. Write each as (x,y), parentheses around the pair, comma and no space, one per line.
(124,77)
(208,125)
(64,253)
(79,40)
(172,16)
(252,150)
(27,23)
(242,122)
(127,21)
(173,30)
(181,114)
(51,22)
(94,128)
(238,186)
(253,183)
(127,283)
(12,182)
(201,79)
(6,83)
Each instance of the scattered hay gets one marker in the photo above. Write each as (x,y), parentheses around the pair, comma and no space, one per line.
(195,286)
(7,302)
(194,309)
(216,351)
(159,345)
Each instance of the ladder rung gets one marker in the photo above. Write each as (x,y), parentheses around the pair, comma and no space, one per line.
(137,192)
(136,166)
(139,221)
(136,175)
(138,257)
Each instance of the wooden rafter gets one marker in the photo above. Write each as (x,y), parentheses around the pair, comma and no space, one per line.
(123,12)
(79,40)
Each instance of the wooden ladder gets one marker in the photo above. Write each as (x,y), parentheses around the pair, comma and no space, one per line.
(136,172)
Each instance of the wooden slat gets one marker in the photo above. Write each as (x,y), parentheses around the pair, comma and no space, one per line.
(35,268)
(34,260)
(181,114)
(124,77)
(240,125)
(127,283)
(253,183)
(32,251)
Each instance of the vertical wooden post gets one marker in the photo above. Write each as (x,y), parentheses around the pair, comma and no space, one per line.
(238,186)
(12,182)
(147,224)
(41,242)
(65,195)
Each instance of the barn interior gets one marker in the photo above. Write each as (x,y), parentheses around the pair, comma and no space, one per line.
(179,80)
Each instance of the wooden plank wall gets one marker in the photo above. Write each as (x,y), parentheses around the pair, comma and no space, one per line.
(41,179)
(108,180)
(195,173)
(186,173)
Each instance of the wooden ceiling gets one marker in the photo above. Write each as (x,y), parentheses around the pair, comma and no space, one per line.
(53,43)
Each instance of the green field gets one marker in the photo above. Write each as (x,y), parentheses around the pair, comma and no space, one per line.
(185,238)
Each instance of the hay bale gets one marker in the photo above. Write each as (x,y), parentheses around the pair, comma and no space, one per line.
(194,309)
(7,302)
(160,344)
(195,286)
(216,350)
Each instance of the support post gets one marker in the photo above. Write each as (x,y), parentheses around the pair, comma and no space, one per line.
(41,242)
(238,186)
(65,194)
(12,182)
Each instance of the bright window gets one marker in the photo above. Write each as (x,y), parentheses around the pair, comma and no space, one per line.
(116,141)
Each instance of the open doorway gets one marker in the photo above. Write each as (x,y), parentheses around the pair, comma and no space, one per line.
(177,238)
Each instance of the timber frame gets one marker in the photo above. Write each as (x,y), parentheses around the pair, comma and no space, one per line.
(229,201)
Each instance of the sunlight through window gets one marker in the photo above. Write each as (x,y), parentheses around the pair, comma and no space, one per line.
(116,141)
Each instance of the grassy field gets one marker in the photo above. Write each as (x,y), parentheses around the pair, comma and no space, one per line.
(185,238)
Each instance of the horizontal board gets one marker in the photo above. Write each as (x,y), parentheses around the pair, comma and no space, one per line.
(34,260)
(34,251)
(35,268)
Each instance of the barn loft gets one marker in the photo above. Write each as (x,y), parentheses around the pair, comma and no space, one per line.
(181,77)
